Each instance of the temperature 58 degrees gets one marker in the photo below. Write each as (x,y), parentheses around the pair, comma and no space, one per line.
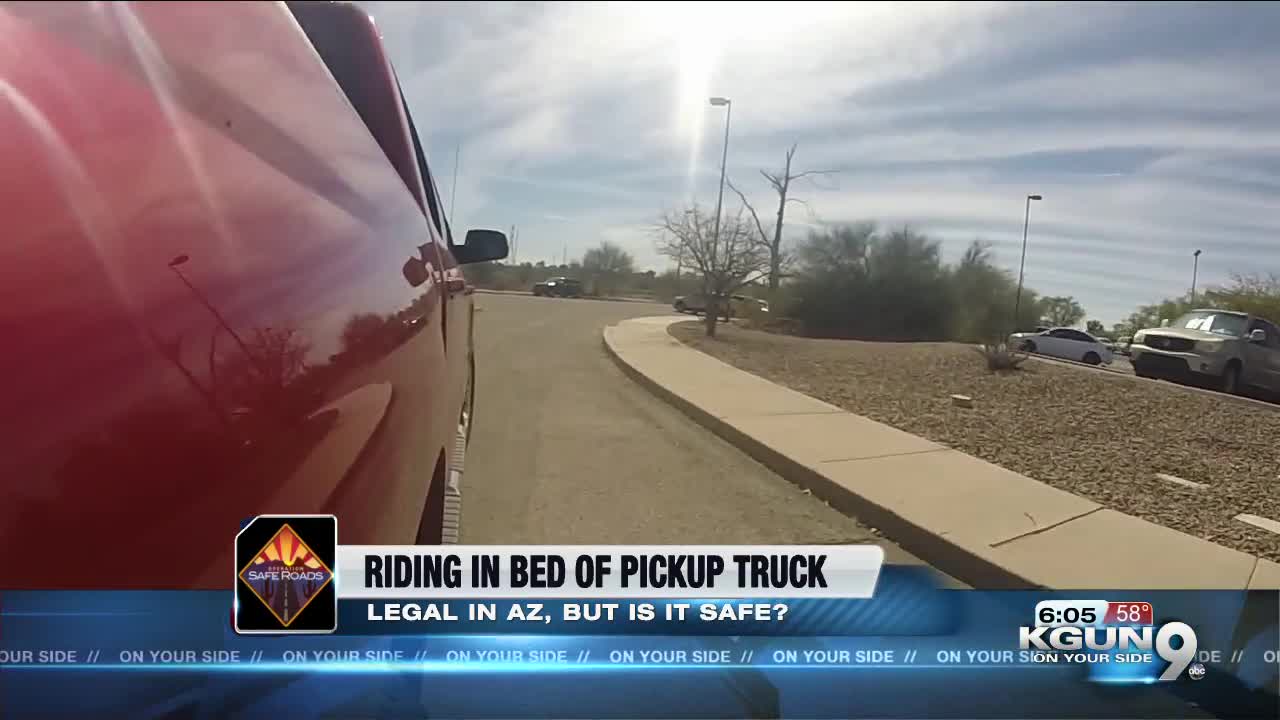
(1085,613)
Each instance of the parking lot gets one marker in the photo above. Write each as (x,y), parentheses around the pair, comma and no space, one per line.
(1121,365)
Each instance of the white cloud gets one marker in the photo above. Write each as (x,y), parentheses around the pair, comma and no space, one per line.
(1150,130)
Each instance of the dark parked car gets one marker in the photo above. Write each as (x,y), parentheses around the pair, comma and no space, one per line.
(559,287)
(229,290)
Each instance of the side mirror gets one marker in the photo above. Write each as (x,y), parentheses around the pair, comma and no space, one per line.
(415,271)
(1258,336)
(481,246)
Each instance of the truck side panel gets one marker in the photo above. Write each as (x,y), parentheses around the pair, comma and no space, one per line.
(202,303)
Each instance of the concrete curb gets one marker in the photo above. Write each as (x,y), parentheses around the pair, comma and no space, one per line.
(1060,550)
(942,554)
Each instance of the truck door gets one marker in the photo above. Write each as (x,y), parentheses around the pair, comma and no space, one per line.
(457,293)
(347,40)
(1262,360)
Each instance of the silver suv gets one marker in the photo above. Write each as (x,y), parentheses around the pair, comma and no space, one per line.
(1230,349)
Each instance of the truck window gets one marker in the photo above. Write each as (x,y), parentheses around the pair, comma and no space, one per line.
(1273,335)
(343,36)
(428,183)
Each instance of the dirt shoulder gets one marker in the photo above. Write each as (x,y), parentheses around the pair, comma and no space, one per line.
(1094,434)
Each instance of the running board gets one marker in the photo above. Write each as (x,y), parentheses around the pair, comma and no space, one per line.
(452,526)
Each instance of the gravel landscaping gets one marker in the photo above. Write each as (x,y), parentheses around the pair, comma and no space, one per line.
(1098,435)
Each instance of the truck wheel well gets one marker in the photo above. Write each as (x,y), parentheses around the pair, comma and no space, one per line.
(431,526)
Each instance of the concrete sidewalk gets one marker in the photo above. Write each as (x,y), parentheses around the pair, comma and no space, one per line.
(982,524)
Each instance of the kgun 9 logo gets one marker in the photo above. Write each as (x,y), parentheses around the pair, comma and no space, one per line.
(1074,641)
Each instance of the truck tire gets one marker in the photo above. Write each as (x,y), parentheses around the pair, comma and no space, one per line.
(1231,378)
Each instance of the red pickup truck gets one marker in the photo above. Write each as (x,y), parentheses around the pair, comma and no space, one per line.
(226,288)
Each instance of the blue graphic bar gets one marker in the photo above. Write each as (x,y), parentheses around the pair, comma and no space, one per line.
(912,651)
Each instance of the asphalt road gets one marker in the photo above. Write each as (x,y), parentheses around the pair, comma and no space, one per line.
(567,449)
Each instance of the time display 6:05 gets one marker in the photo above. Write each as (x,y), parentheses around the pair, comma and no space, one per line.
(1092,613)
(1078,613)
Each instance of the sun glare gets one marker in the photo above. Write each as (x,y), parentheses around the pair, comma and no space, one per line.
(697,66)
(698,36)
(698,47)
(699,51)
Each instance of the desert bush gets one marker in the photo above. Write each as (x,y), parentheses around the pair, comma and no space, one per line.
(855,282)
(1002,358)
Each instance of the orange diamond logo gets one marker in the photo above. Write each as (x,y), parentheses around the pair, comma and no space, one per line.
(286,576)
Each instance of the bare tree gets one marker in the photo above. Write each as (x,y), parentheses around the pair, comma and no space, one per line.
(608,258)
(779,258)
(171,350)
(606,264)
(726,262)
(260,377)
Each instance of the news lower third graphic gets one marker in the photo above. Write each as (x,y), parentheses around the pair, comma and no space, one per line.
(1117,640)
(611,571)
(684,631)
(284,582)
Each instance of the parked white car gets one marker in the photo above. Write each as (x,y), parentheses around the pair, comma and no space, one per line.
(1065,343)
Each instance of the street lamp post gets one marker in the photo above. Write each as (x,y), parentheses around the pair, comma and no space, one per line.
(1026,222)
(1195,270)
(182,260)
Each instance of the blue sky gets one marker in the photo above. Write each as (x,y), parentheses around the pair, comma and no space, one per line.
(1151,129)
